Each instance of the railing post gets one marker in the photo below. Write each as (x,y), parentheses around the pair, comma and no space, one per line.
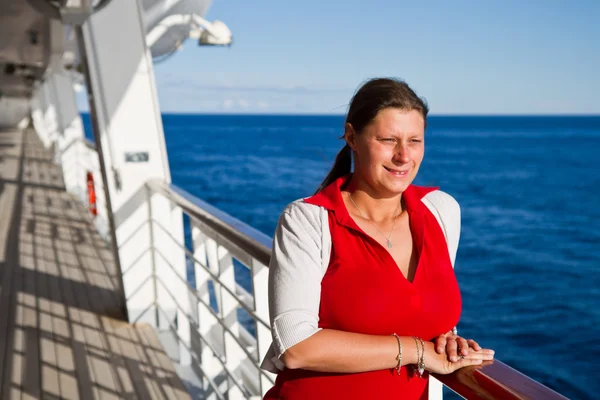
(152,257)
(260,290)
(209,329)
(228,306)
(183,316)
(435,389)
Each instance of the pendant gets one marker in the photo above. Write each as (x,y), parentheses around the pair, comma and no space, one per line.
(389,244)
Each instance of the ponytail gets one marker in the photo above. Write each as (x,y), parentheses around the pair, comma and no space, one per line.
(342,166)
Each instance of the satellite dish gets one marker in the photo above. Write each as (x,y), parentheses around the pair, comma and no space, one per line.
(170,41)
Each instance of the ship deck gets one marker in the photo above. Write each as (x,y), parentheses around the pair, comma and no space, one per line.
(63,332)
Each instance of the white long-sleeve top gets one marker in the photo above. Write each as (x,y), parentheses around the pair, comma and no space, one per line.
(300,258)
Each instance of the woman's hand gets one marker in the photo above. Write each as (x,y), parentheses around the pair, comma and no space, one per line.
(440,364)
(456,347)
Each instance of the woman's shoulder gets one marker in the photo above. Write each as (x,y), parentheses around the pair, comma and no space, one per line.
(302,206)
(442,201)
(303,222)
(309,215)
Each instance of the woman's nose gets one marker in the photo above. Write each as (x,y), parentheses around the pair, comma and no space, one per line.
(401,154)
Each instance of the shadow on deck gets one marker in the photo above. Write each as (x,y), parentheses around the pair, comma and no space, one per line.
(62,328)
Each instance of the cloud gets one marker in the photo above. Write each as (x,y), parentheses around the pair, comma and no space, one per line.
(189,85)
(217,93)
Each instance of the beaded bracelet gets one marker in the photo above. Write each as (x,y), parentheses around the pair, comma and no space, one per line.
(418,354)
(420,366)
(422,363)
(399,356)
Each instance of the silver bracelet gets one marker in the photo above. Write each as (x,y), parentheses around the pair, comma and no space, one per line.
(422,363)
(418,355)
(399,356)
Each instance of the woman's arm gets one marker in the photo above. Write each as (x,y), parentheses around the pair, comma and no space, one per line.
(337,351)
(345,352)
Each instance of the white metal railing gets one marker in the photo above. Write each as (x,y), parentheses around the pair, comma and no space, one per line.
(226,352)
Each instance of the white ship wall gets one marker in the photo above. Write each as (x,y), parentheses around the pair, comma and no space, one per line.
(131,134)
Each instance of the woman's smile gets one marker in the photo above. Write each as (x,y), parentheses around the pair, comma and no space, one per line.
(397,173)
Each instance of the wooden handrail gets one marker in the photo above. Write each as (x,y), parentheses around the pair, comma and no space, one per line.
(495,380)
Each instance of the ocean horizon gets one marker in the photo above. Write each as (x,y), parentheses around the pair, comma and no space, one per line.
(238,114)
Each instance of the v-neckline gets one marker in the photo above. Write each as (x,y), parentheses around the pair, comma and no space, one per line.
(417,244)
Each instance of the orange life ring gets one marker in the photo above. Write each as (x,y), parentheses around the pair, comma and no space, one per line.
(91,194)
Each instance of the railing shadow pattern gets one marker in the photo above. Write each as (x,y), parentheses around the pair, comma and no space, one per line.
(62,329)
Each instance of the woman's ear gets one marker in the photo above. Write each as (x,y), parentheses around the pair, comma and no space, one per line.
(350,136)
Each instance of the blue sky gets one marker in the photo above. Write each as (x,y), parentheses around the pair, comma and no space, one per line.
(464,57)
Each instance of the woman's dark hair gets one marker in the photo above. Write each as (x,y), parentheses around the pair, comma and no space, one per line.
(373,96)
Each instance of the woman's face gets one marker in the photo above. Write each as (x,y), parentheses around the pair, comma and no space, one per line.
(389,151)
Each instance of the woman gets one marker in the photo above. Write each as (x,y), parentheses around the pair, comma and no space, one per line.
(362,292)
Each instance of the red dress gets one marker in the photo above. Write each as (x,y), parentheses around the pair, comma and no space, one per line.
(363,291)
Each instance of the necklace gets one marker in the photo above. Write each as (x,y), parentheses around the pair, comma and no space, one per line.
(387,238)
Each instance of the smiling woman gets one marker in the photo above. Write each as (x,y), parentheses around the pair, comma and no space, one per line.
(362,292)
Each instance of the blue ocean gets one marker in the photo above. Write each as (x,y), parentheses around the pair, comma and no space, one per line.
(528,263)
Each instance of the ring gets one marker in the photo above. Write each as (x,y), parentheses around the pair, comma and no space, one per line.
(462,356)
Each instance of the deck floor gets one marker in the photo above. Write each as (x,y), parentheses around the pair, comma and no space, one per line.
(62,328)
